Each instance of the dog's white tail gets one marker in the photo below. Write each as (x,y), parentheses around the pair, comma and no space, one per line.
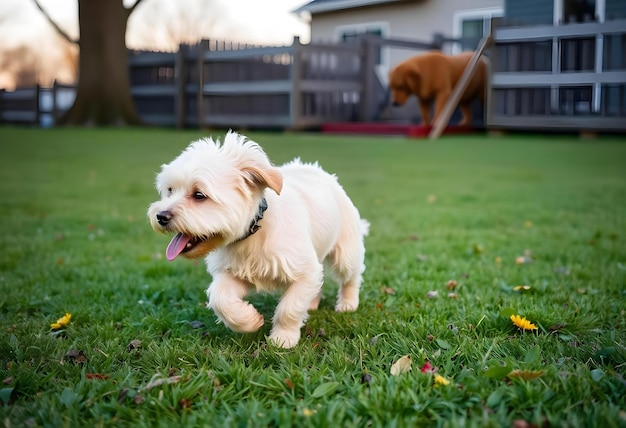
(365,227)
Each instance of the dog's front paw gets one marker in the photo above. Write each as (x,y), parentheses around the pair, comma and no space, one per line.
(284,338)
(238,316)
(346,306)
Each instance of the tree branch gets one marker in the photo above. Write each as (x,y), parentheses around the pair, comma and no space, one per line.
(55,25)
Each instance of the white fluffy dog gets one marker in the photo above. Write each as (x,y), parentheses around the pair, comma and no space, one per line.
(261,228)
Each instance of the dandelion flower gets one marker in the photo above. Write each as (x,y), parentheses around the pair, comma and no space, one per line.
(61,322)
(440,380)
(523,323)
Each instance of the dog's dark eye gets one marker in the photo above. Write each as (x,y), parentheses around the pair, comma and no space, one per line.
(169,190)
(198,196)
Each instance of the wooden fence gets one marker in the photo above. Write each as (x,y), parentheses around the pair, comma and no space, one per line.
(568,77)
(36,105)
(218,84)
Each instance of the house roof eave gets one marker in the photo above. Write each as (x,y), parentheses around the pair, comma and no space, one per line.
(314,7)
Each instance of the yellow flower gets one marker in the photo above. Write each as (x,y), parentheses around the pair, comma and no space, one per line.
(440,380)
(61,322)
(523,323)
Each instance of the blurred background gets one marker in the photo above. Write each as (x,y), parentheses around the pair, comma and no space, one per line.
(32,51)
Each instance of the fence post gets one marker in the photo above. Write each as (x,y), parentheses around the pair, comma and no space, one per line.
(54,111)
(438,41)
(202,48)
(489,108)
(369,45)
(180,73)
(37,105)
(295,112)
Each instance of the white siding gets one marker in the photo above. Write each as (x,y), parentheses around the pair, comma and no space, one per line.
(418,20)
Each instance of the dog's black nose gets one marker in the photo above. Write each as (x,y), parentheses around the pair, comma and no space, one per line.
(164,217)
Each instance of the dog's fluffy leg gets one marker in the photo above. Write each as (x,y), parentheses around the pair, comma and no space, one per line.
(347,262)
(348,299)
(291,311)
(226,295)
(425,109)
(466,111)
(316,302)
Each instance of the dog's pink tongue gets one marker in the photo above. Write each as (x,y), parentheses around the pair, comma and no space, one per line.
(176,246)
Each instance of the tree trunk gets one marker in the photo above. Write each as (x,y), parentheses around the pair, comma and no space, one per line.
(103,92)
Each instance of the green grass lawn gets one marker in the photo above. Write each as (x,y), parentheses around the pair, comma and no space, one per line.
(475,216)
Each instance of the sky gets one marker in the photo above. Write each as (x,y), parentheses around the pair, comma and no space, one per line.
(267,22)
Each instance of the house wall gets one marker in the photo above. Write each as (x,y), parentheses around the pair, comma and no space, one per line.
(418,20)
(541,12)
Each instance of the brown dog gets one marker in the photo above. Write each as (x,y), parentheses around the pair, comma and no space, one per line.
(432,77)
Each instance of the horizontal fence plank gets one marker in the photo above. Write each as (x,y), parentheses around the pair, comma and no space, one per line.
(246,53)
(154,90)
(559,122)
(330,86)
(242,88)
(535,79)
(152,59)
(159,119)
(525,34)
(247,120)
(19,116)
(19,94)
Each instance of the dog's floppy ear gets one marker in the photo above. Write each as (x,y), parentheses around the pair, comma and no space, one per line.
(266,177)
(413,78)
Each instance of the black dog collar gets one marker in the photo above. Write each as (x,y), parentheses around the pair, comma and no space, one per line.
(254,225)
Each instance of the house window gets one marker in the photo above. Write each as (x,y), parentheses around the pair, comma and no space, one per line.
(469,26)
(351,33)
(352,36)
(579,10)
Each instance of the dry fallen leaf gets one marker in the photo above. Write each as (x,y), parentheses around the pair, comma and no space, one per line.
(433,294)
(196,324)
(525,374)
(75,356)
(387,290)
(158,381)
(184,403)
(556,327)
(134,344)
(451,285)
(521,423)
(403,365)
